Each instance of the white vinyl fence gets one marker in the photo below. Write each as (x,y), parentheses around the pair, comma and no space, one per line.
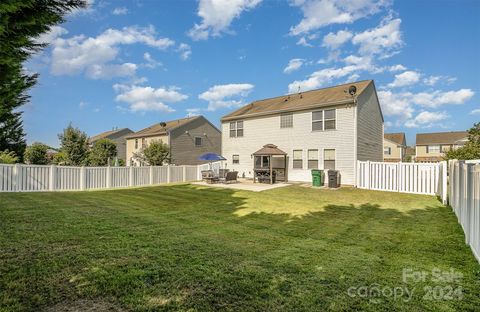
(417,178)
(35,178)
(464,198)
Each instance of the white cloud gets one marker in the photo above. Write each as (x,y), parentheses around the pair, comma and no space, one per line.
(335,40)
(51,35)
(303,42)
(406,78)
(141,99)
(226,96)
(120,11)
(102,71)
(151,62)
(395,105)
(382,39)
(475,111)
(217,15)
(426,119)
(93,54)
(193,112)
(320,13)
(433,80)
(82,104)
(293,65)
(185,51)
(397,68)
(437,98)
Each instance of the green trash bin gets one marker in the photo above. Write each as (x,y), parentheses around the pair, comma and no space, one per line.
(317,177)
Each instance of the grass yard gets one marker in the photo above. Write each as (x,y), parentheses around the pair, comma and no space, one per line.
(184,247)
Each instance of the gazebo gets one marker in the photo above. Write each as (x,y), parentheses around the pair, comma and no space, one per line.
(270,164)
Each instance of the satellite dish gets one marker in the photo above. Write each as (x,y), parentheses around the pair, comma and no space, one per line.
(352,90)
(163,124)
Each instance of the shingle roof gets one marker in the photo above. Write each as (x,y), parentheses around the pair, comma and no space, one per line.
(398,138)
(104,135)
(293,102)
(269,149)
(158,129)
(440,137)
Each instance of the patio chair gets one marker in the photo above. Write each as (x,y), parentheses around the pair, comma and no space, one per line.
(222,173)
(208,176)
(230,177)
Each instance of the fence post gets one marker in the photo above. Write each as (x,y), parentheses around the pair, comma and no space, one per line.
(367,175)
(444,182)
(83,178)
(16,177)
(184,173)
(150,175)
(168,173)
(109,177)
(130,176)
(53,178)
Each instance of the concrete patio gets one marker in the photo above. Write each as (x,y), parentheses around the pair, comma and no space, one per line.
(245,185)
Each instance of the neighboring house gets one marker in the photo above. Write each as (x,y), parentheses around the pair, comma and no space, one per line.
(394,146)
(324,129)
(431,147)
(409,154)
(188,138)
(117,136)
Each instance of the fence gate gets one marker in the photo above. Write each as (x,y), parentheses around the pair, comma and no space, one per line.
(416,178)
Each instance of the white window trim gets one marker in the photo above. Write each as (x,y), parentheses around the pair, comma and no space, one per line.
(323,157)
(323,120)
(195,141)
(236,128)
(293,159)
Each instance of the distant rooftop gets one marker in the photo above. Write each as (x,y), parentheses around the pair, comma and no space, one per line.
(160,129)
(440,137)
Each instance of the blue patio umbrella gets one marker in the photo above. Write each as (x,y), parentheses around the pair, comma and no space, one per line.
(211,157)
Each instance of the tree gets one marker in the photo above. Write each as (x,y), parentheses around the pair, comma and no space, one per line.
(471,149)
(155,154)
(37,154)
(21,22)
(7,157)
(74,146)
(102,153)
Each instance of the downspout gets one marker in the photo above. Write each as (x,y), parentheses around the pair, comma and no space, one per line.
(355,157)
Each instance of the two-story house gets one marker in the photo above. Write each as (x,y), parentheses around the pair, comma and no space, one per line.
(394,147)
(117,136)
(187,138)
(431,147)
(325,129)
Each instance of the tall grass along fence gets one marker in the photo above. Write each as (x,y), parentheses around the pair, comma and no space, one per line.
(35,178)
(416,178)
(464,198)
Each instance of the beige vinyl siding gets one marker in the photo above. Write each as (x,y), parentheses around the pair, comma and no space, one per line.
(264,130)
(369,126)
(395,151)
(131,145)
(421,151)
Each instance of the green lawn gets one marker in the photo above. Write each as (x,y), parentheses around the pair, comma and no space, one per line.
(185,247)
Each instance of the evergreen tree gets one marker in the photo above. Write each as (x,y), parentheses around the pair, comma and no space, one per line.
(73,146)
(21,22)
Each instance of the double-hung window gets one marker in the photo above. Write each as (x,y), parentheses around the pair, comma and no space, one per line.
(324,120)
(136,143)
(297,159)
(312,159)
(236,129)
(236,159)
(387,150)
(198,141)
(433,149)
(329,159)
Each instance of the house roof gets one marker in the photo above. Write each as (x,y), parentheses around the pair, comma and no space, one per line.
(269,149)
(398,138)
(298,101)
(158,129)
(440,137)
(105,134)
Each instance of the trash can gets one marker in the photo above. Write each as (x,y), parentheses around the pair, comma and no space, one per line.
(333,179)
(317,177)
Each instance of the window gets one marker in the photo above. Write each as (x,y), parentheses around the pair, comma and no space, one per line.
(387,150)
(136,143)
(433,148)
(236,159)
(262,162)
(324,120)
(286,121)
(236,129)
(317,121)
(329,117)
(297,159)
(329,159)
(445,148)
(144,143)
(198,141)
(313,159)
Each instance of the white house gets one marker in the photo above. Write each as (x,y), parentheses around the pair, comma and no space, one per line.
(328,128)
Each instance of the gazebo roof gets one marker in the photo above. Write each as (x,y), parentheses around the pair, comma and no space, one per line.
(269,149)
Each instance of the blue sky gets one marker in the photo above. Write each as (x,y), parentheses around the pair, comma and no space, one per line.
(135,63)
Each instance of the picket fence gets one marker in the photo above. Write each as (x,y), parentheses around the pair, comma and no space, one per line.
(416,178)
(36,178)
(464,198)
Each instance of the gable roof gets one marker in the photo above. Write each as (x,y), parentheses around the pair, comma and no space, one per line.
(398,138)
(298,101)
(269,149)
(440,137)
(158,129)
(106,134)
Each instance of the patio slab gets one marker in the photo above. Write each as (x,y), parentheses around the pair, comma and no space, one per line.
(245,185)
